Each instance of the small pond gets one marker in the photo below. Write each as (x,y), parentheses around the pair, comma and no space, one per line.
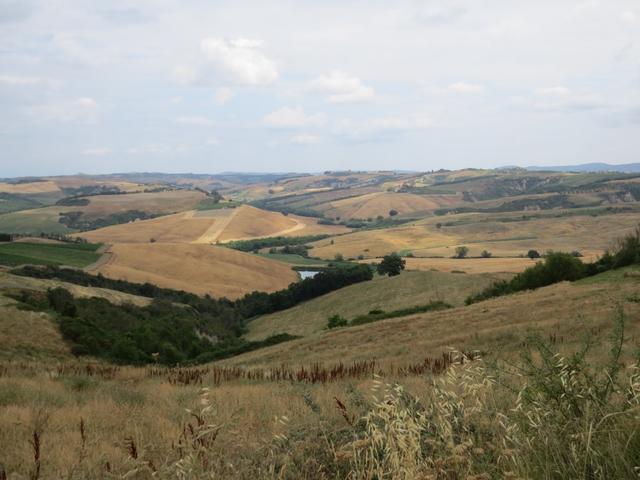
(307,273)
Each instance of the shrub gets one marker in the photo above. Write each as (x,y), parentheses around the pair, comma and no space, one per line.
(336,321)
(485,254)
(393,212)
(461,251)
(557,267)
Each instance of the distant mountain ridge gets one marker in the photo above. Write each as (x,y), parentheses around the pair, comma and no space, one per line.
(591,167)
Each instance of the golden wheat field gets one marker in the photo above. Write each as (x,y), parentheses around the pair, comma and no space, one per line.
(212,226)
(29,188)
(380,203)
(202,269)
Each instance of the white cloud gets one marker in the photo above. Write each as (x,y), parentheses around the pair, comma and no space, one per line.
(630,17)
(558,91)
(465,87)
(213,141)
(96,152)
(86,102)
(195,121)
(21,81)
(222,95)
(341,88)
(383,127)
(305,139)
(293,117)
(240,60)
(176,100)
(184,74)
(79,110)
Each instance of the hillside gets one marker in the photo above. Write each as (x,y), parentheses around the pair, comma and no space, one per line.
(211,226)
(566,310)
(202,269)
(387,293)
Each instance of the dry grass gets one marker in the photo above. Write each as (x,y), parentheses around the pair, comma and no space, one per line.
(587,234)
(380,203)
(156,202)
(565,310)
(211,226)
(468,265)
(27,188)
(386,293)
(202,269)
(15,282)
(29,335)
(182,227)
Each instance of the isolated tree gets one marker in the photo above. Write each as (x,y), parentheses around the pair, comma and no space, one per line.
(338,257)
(462,251)
(485,254)
(393,212)
(533,254)
(391,265)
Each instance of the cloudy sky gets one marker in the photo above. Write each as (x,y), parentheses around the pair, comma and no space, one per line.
(212,86)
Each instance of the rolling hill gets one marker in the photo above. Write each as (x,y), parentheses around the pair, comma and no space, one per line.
(202,269)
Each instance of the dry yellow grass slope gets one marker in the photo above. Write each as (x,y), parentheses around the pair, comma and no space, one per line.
(498,325)
(26,188)
(26,335)
(202,269)
(212,226)
(184,227)
(386,293)
(380,203)
(503,234)
(16,282)
(154,202)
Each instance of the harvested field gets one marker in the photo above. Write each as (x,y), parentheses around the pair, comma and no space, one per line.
(156,202)
(201,269)
(29,188)
(470,265)
(211,226)
(182,227)
(380,203)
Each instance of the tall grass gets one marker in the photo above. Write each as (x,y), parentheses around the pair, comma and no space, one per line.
(545,415)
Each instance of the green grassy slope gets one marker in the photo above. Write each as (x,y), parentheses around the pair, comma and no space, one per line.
(74,255)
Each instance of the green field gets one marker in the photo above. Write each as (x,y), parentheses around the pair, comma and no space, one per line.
(73,255)
(35,221)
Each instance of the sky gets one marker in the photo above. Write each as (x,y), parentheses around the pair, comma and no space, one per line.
(281,86)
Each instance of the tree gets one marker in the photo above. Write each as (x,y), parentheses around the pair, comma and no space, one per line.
(485,254)
(338,257)
(533,254)
(336,321)
(393,212)
(462,251)
(391,265)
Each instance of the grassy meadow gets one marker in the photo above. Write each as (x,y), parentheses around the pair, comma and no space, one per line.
(74,254)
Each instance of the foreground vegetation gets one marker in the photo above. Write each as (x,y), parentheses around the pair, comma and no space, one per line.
(177,327)
(549,414)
